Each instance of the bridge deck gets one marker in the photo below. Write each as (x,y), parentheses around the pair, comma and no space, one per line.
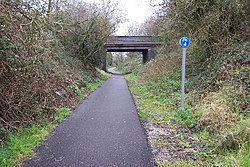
(132,41)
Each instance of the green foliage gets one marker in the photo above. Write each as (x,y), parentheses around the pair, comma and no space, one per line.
(216,104)
(130,63)
(180,164)
(75,90)
(61,114)
(185,117)
(92,42)
(217,98)
(235,158)
(211,25)
(20,145)
(142,115)
(5,45)
(161,99)
(42,57)
(109,59)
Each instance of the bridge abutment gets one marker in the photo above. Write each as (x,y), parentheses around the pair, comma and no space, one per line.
(104,59)
(145,56)
(148,55)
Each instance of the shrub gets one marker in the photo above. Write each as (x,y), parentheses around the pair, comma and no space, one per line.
(43,54)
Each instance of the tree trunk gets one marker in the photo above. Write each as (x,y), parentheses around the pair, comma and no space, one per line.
(49,7)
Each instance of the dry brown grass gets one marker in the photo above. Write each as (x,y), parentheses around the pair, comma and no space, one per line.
(217,119)
(217,116)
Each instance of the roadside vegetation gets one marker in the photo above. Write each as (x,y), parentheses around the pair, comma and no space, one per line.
(213,130)
(21,144)
(49,61)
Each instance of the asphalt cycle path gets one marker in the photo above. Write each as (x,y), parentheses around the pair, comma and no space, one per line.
(103,131)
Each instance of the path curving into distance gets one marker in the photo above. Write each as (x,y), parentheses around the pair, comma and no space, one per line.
(104,131)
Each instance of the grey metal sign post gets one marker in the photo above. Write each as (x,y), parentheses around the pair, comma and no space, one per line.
(184,42)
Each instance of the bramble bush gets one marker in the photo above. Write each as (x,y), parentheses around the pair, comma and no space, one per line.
(45,50)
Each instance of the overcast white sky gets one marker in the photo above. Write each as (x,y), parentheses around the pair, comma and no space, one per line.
(136,11)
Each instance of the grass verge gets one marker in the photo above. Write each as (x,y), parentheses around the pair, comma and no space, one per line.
(216,110)
(20,145)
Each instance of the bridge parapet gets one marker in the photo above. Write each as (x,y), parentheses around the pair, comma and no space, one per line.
(132,39)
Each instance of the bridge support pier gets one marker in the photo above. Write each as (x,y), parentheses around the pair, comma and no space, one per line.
(145,56)
(148,55)
(104,60)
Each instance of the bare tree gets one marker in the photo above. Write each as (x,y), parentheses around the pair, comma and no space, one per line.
(135,29)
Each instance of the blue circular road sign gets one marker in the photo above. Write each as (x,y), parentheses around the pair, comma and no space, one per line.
(184,42)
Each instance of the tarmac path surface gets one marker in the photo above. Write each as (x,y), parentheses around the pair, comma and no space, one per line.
(103,131)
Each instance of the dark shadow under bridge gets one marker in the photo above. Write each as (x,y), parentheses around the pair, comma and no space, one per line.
(144,44)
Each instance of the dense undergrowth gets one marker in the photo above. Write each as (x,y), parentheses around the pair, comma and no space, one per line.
(218,118)
(217,86)
(19,145)
(48,52)
(49,60)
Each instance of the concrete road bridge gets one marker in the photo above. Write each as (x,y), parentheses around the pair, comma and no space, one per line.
(144,44)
